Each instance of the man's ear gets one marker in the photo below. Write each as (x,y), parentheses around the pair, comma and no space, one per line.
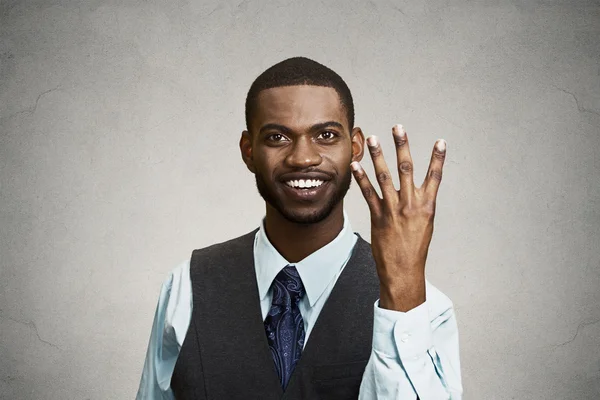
(246,150)
(358,144)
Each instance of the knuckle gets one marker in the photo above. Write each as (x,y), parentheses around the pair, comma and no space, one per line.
(383,177)
(439,155)
(375,151)
(429,209)
(367,192)
(399,142)
(407,212)
(405,167)
(425,210)
(435,174)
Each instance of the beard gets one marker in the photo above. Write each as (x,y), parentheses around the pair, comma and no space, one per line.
(269,195)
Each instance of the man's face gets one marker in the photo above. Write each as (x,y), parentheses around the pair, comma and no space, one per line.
(300,149)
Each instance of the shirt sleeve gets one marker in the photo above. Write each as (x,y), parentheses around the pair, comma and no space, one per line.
(415,354)
(171,321)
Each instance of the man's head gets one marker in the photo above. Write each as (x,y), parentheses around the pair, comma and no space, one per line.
(300,117)
(299,71)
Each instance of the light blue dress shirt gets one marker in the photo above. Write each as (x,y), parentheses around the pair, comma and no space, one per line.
(414,353)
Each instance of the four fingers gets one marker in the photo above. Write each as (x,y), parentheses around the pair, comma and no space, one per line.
(405,171)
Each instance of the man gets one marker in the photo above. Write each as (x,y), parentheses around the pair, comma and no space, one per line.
(302,307)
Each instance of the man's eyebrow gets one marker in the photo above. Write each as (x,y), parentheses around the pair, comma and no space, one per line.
(275,127)
(315,127)
(322,125)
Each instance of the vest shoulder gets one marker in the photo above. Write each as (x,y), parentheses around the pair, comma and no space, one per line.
(219,253)
(228,244)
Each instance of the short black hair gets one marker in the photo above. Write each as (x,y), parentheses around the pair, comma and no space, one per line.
(299,71)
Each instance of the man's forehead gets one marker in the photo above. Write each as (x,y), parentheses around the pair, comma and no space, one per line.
(301,105)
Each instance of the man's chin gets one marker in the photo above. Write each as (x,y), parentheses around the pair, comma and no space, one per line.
(306,216)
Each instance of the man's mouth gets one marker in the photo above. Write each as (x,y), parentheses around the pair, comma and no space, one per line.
(305,189)
(304,183)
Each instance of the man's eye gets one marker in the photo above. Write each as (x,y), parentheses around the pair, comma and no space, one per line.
(276,137)
(328,134)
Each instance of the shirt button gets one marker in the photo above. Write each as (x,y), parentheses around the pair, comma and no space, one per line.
(405,336)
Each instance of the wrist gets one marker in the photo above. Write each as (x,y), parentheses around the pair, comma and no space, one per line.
(402,294)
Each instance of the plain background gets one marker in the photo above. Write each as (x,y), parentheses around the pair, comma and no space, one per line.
(119,130)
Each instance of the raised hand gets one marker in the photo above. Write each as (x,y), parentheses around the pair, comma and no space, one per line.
(401,222)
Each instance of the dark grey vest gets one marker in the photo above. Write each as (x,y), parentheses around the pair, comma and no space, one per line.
(225,354)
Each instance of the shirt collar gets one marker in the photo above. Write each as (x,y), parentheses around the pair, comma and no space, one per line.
(316,270)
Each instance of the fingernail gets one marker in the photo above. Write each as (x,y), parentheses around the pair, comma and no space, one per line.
(441,145)
(355,166)
(372,140)
(400,131)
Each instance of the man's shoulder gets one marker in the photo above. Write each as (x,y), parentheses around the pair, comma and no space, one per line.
(180,275)
(229,243)
(238,248)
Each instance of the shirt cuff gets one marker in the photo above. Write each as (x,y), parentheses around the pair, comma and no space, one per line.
(402,335)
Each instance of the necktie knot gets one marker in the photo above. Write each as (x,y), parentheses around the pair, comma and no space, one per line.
(288,289)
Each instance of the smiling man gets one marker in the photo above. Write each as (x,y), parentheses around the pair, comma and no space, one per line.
(303,307)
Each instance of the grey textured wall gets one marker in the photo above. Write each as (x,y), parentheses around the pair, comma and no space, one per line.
(119,124)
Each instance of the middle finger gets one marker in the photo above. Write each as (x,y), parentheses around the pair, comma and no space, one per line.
(405,162)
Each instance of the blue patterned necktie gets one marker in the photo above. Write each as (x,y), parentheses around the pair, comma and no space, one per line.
(284,324)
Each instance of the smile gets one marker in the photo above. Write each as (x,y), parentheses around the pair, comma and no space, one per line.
(304,183)
(305,190)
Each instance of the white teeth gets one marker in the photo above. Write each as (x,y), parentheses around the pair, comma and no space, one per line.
(304,183)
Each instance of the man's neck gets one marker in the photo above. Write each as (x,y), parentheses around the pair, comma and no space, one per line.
(297,241)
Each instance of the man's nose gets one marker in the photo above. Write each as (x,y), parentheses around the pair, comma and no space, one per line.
(304,153)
